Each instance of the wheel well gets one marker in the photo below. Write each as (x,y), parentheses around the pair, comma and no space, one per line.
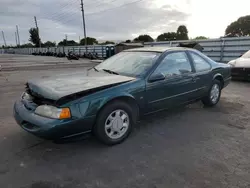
(219,78)
(129,101)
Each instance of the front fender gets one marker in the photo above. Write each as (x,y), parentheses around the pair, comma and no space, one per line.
(96,104)
(217,75)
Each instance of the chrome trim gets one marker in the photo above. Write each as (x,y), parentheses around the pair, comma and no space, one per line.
(229,78)
(176,95)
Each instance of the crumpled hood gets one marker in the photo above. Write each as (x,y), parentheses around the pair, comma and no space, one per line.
(60,86)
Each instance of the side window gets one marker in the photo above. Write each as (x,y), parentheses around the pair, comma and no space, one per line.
(199,63)
(174,64)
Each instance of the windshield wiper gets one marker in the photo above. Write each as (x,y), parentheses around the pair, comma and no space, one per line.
(110,71)
(94,69)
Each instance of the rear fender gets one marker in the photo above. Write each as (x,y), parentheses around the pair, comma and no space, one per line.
(219,77)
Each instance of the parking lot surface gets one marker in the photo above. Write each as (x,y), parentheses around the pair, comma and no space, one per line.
(10,62)
(188,147)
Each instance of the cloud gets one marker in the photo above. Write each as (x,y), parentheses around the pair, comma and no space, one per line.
(105,19)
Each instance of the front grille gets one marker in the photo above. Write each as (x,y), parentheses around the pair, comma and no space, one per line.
(28,125)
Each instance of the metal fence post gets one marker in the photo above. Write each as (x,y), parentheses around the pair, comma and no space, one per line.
(102,52)
(222,50)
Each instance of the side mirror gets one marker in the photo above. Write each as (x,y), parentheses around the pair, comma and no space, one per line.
(156,77)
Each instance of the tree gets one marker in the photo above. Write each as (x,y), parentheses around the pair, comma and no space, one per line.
(107,42)
(239,28)
(128,41)
(49,44)
(67,43)
(34,37)
(144,38)
(182,33)
(28,45)
(167,36)
(90,41)
(200,38)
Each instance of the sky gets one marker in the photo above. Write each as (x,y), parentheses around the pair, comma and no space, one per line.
(117,20)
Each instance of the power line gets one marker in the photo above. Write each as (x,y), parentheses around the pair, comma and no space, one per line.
(64,22)
(65,17)
(126,4)
(92,2)
(68,16)
(60,16)
(69,3)
(101,3)
(55,15)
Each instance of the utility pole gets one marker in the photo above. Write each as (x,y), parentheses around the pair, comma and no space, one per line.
(37,31)
(4,39)
(18,37)
(84,27)
(66,39)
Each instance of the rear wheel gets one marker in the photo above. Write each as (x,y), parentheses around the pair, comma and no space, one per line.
(214,94)
(114,123)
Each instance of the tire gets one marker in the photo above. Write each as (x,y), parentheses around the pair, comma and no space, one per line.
(210,101)
(108,116)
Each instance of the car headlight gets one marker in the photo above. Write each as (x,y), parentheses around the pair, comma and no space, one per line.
(26,96)
(53,112)
(232,63)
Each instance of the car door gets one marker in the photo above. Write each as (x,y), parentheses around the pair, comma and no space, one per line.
(203,75)
(177,85)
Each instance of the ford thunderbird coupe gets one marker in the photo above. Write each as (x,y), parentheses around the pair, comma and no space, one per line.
(108,99)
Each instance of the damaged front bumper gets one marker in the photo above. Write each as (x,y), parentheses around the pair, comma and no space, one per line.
(47,128)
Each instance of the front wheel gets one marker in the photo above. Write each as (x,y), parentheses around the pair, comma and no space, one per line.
(114,123)
(214,94)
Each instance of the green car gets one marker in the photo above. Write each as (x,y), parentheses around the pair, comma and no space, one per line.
(109,98)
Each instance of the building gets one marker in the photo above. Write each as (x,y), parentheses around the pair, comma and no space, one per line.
(124,46)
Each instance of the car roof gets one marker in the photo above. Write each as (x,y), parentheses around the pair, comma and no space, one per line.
(155,49)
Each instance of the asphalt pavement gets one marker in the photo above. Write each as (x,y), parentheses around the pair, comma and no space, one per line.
(188,147)
(17,62)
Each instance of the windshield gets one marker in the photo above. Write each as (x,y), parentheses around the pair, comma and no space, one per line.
(129,63)
(246,55)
